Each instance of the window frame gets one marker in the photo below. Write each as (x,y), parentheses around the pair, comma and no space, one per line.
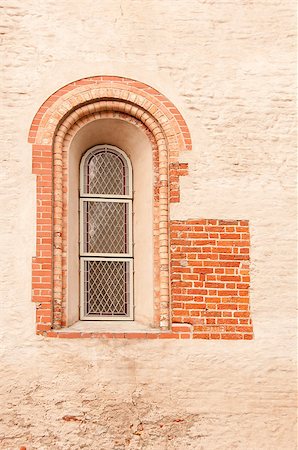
(84,256)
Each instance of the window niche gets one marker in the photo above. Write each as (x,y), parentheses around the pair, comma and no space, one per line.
(135,147)
(149,129)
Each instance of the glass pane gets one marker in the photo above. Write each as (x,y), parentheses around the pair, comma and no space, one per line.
(106,227)
(106,288)
(106,173)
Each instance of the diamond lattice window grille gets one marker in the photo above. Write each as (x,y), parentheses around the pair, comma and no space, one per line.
(106,227)
(106,173)
(106,288)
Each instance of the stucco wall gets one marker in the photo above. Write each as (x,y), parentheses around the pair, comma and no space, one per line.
(229,67)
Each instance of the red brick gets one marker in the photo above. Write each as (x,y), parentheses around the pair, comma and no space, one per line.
(248,336)
(231,336)
(181,328)
(201,335)
(168,335)
(135,335)
(69,335)
(185,335)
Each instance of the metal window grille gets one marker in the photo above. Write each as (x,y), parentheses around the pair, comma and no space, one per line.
(106,235)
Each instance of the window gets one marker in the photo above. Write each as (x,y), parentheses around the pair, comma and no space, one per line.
(106,247)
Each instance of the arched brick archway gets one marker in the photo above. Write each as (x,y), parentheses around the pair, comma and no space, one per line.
(53,127)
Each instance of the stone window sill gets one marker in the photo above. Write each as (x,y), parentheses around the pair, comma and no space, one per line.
(119,329)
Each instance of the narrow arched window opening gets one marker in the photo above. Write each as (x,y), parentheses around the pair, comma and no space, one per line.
(106,248)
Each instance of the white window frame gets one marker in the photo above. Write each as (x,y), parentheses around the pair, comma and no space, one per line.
(127,257)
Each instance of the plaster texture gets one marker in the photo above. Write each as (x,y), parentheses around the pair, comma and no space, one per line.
(229,67)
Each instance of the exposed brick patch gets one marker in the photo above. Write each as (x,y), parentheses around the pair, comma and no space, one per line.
(210,277)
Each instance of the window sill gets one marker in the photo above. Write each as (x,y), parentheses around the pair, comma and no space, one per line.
(118,329)
(110,326)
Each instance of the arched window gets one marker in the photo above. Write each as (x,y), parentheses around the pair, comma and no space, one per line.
(142,122)
(106,247)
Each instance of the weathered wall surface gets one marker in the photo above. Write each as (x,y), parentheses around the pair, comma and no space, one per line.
(229,66)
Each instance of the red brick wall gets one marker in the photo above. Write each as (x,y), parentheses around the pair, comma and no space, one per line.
(210,278)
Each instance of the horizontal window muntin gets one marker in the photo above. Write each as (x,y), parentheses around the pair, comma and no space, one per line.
(124,197)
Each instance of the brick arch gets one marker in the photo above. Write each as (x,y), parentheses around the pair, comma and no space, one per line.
(87,90)
(53,127)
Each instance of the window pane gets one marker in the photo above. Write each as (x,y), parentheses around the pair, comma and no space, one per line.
(106,288)
(106,174)
(106,227)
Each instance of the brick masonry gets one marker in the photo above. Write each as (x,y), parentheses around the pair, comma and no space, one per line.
(198,304)
(210,278)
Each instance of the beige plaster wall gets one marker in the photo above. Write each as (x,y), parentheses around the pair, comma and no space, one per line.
(229,66)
